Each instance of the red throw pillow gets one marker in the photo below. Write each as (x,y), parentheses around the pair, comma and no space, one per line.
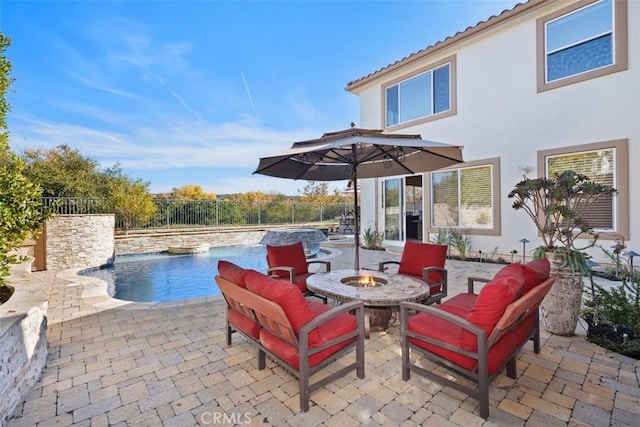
(535,272)
(417,256)
(231,272)
(287,256)
(492,301)
(285,294)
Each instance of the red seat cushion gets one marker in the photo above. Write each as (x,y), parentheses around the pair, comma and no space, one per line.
(231,272)
(301,281)
(441,330)
(535,272)
(287,256)
(318,308)
(492,301)
(417,256)
(334,328)
(460,305)
(243,323)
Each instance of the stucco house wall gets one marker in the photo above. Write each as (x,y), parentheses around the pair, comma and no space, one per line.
(500,113)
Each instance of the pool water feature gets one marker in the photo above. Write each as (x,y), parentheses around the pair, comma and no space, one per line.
(166,277)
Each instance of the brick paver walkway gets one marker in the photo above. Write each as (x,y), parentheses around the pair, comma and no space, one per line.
(163,364)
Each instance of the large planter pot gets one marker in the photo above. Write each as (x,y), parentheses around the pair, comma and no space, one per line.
(560,309)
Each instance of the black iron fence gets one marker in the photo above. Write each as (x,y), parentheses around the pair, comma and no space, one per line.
(177,213)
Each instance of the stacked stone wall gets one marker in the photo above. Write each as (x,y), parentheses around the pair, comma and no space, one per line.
(160,242)
(74,241)
(23,344)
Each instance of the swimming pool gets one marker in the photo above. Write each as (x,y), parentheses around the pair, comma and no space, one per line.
(164,277)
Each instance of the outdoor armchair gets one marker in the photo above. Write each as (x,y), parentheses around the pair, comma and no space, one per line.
(425,261)
(290,263)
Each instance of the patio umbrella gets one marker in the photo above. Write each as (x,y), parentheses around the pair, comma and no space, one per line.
(357,153)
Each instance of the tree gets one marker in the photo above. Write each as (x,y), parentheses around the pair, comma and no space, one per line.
(131,201)
(191,192)
(64,172)
(21,212)
(316,191)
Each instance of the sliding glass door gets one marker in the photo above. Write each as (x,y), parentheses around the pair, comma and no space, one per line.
(392,192)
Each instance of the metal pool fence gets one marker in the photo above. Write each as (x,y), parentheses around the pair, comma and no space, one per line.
(177,213)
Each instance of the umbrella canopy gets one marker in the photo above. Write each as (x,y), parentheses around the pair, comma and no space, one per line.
(357,153)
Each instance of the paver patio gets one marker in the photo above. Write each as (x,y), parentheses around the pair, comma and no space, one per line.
(168,364)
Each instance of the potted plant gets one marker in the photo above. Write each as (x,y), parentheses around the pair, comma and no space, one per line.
(557,206)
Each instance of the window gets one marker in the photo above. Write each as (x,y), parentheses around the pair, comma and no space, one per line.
(580,42)
(600,162)
(425,95)
(466,197)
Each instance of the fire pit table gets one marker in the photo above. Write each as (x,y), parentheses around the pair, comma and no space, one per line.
(379,292)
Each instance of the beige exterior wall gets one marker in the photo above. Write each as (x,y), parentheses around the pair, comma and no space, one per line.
(500,113)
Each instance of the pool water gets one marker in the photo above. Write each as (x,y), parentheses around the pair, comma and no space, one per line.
(164,277)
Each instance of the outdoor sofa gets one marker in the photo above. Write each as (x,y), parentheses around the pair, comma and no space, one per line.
(301,335)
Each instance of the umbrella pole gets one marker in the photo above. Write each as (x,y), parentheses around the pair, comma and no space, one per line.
(356,222)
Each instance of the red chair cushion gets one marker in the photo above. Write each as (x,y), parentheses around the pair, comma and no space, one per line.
(416,256)
(492,301)
(460,305)
(441,330)
(301,281)
(231,272)
(244,324)
(283,293)
(287,256)
(511,275)
(535,272)
(331,329)
(524,330)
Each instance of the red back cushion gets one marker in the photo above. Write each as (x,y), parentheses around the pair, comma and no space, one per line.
(535,272)
(492,301)
(512,275)
(231,272)
(287,256)
(417,256)
(283,293)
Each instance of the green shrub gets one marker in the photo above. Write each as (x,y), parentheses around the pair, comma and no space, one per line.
(372,239)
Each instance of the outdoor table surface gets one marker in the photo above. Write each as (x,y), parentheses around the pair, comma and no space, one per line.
(399,288)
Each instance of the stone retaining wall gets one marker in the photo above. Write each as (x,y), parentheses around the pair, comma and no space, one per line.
(23,342)
(79,241)
(160,241)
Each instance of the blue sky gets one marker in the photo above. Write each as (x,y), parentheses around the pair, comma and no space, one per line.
(195,92)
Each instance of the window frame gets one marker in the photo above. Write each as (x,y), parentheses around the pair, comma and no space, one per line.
(496,200)
(451,61)
(621,179)
(620,49)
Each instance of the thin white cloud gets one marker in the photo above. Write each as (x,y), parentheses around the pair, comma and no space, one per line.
(246,86)
(186,106)
(230,144)
(111,90)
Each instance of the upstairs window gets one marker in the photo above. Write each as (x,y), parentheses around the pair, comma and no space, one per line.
(582,41)
(424,95)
